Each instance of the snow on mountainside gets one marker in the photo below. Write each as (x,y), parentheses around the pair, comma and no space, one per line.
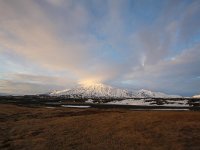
(94,90)
(59,92)
(149,94)
(104,91)
(196,96)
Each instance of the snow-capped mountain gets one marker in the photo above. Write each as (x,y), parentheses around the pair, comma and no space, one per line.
(93,90)
(196,96)
(98,90)
(149,94)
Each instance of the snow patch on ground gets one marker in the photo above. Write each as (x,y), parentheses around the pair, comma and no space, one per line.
(161,109)
(50,107)
(130,102)
(149,102)
(177,103)
(75,106)
(89,101)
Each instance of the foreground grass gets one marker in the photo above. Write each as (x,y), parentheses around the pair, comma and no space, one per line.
(67,128)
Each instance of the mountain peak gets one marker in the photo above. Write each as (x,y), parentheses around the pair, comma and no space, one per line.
(89,82)
(92,84)
(94,89)
(97,90)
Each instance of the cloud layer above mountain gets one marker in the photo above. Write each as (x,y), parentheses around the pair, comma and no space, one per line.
(55,44)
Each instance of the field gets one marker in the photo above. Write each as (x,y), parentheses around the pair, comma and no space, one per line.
(43,128)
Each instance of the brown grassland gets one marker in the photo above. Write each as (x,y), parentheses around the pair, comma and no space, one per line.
(42,128)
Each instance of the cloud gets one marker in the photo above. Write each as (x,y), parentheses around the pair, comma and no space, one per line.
(126,43)
(13,83)
(179,74)
(21,88)
(55,2)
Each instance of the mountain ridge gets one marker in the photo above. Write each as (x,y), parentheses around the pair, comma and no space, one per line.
(196,96)
(99,90)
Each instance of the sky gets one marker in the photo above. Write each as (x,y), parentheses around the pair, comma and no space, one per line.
(50,45)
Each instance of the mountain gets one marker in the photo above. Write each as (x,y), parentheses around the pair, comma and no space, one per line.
(93,91)
(4,94)
(98,90)
(196,96)
(59,92)
(149,94)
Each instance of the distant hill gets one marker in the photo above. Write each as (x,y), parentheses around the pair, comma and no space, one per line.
(4,94)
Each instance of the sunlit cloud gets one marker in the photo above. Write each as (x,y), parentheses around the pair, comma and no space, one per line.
(131,44)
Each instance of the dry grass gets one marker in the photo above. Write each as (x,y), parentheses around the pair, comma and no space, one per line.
(67,128)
